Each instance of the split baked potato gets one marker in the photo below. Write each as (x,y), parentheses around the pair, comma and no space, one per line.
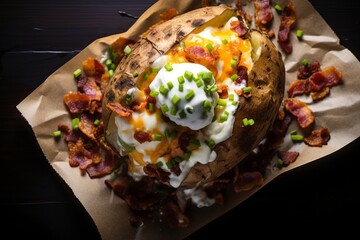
(132,94)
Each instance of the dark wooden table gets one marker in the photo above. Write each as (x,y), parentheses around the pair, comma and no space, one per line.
(39,36)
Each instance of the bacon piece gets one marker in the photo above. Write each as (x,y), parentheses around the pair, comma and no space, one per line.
(299,87)
(328,77)
(119,109)
(199,55)
(288,157)
(77,102)
(86,125)
(288,18)
(93,67)
(174,215)
(299,109)
(316,96)
(104,167)
(318,138)
(263,14)
(240,28)
(142,136)
(248,180)
(155,172)
(82,157)
(305,71)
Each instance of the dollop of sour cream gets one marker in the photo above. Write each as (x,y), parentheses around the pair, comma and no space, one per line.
(183,94)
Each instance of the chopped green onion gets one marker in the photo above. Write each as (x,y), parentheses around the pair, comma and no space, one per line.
(194,143)
(305,62)
(108,62)
(75,123)
(221,102)
(245,122)
(159,164)
(224,117)
(151,107)
(233,63)
(210,143)
(187,155)
(209,47)
(173,110)
(154,70)
(293,132)
(199,82)
(112,66)
(57,133)
(231,97)
(189,75)
(181,87)
(234,77)
(166,132)
(251,121)
(146,76)
(225,41)
(96,122)
(207,77)
(299,33)
(163,90)
(168,67)
(175,99)
(234,103)
(135,74)
(279,163)
(169,164)
(278,7)
(247,89)
(181,79)
(164,108)
(111,72)
(127,50)
(157,137)
(189,95)
(128,99)
(182,44)
(77,72)
(154,93)
(182,114)
(190,109)
(207,105)
(170,85)
(296,137)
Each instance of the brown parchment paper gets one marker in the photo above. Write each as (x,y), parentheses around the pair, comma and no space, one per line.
(44,110)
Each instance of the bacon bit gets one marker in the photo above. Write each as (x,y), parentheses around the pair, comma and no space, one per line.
(168,14)
(326,78)
(92,89)
(318,138)
(105,166)
(155,172)
(119,109)
(137,106)
(288,18)
(240,28)
(299,87)
(316,96)
(223,91)
(86,125)
(248,180)
(242,74)
(82,157)
(305,71)
(142,136)
(299,109)
(263,14)
(175,150)
(93,67)
(77,102)
(288,157)
(198,54)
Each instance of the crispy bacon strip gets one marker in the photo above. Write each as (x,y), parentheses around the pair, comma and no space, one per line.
(240,28)
(318,138)
(86,125)
(263,14)
(288,18)
(119,109)
(288,157)
(328,77)
(77,102)
(299,109)
(199,55)
(305,71)
(105,166)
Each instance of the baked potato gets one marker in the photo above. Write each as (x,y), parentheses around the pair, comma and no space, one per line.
(193,97)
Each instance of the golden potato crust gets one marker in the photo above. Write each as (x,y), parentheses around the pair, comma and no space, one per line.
(267,79)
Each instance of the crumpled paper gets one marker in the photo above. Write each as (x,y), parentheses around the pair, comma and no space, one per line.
(44,110)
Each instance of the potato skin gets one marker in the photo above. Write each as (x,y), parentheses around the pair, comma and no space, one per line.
(267,79)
